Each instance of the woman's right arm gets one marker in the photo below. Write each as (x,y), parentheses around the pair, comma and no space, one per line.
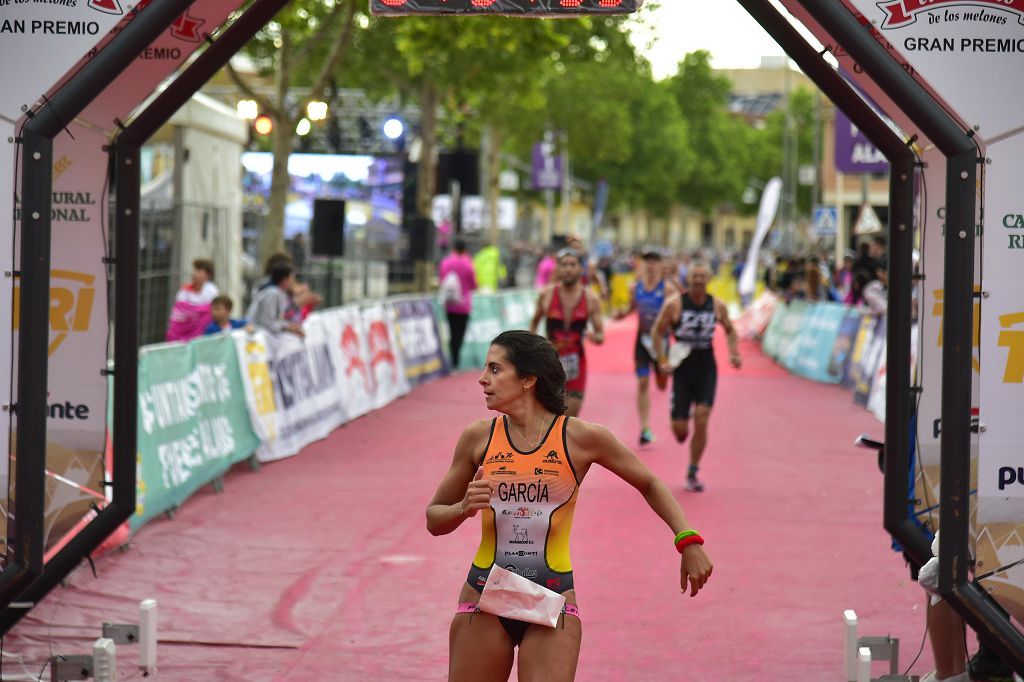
(462,491)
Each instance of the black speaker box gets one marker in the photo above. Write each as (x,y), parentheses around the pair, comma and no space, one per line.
(328,228)
(463,166)
(421,239)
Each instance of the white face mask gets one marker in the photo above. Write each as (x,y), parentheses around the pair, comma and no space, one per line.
(513,596)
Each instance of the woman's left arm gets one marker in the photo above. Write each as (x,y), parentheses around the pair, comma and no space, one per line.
(605,449)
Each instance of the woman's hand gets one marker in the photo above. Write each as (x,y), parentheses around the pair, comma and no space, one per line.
(478,495)
(695,567)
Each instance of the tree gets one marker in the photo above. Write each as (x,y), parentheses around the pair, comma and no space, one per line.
(302,46)
(720,141)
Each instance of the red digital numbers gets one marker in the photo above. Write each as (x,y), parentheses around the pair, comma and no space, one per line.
(483,3)
(393,3)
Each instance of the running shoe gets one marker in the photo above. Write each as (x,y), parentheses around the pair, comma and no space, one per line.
(694,485)
(647,436)
(988,669)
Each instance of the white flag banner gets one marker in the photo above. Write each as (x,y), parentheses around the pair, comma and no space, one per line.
(765,217)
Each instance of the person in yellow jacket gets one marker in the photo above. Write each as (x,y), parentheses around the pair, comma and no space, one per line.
(489,268)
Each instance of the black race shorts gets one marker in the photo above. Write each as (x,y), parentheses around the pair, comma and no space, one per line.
(693,382)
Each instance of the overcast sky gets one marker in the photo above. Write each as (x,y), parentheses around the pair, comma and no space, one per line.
(722,27)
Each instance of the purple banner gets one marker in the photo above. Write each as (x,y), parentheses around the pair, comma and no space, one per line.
(854,152)
(547,167)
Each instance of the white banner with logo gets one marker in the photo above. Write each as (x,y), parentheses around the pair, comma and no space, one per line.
(1000,516)
(290,388)
(355,383)
(950,42)
(382,355)
(40,41)
(1002,375)
(77,345)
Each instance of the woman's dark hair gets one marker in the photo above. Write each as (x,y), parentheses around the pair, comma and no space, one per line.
(533,355)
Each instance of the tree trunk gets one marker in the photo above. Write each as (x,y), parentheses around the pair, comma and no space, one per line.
(492,166)
(426,178)
(272,237)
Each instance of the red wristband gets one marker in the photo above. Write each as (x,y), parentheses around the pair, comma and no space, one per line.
(687,541)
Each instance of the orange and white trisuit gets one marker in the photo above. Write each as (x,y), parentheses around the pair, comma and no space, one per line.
(526,530)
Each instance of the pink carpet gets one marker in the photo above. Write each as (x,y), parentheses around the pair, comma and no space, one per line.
(319,567)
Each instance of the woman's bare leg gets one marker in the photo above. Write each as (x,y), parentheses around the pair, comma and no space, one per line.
(479,649)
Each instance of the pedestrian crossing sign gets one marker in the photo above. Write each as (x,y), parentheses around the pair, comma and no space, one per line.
(826,220)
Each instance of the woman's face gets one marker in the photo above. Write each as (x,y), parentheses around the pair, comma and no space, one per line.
(502,385)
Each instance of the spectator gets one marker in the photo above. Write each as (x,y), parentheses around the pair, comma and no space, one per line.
(304,301)
(457,276)
(191,310)
(489,269)
(220,310)
(269,308)
(864,261)
(875,295)
(545,268)
(279,258)
(844,276)
(878,248)
(816,291)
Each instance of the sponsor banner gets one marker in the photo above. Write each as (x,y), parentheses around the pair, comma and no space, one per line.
(867,351)
(62,31)
(1002,325)
(193,422)
(383,357)
(781,338)
(77,343)
(854,151)
(370,369)
(842,350)
(811,349)
(484,324)
(517,309)
(949,42)
(290,387)
(354,380)
(753,323)
(1001,467)
(419,341)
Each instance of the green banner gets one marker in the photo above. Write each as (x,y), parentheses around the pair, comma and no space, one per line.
(484,324)
(193,421)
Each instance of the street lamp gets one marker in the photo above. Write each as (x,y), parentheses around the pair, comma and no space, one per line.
(303,127)
(316,110)
(247,109)
(394,128)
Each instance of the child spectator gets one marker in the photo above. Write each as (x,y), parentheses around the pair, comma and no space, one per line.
(220,310)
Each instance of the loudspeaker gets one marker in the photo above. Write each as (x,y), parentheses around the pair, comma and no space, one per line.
(464,166)
(421,239)
(328,227)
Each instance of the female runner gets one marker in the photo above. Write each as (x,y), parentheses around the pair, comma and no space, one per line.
(522,472)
